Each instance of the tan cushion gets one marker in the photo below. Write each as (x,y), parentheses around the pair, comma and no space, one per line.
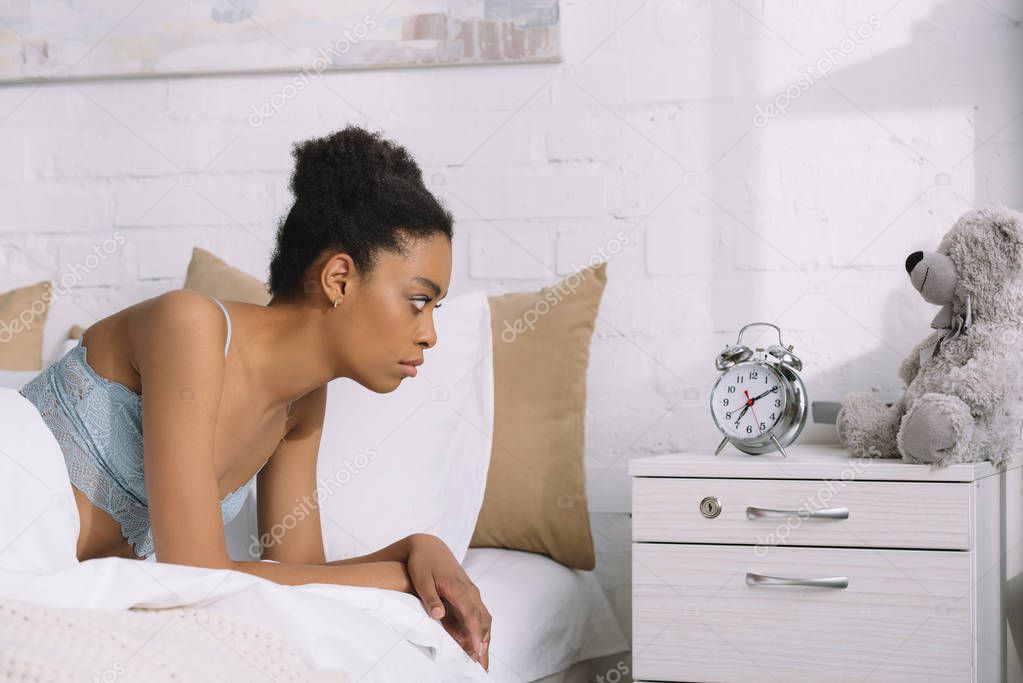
(535,497)
(212,276)
(23,314)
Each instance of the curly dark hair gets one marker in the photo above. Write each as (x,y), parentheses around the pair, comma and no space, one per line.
(354,192)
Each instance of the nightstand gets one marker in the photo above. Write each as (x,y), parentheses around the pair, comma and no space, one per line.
(821,567)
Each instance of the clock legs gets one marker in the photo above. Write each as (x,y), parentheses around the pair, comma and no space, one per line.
(778,446)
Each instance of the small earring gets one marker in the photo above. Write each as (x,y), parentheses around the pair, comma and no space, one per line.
(336,302)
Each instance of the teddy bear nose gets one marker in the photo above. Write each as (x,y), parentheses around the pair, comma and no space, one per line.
(913,259)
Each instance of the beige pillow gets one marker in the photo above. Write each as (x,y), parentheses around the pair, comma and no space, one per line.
(212,276)
(23,314)
(535,496)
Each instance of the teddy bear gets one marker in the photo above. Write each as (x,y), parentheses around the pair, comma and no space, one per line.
(963,401)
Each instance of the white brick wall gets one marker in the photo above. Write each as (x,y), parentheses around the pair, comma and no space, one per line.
(647,128)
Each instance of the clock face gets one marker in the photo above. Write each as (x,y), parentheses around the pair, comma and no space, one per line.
(748,401)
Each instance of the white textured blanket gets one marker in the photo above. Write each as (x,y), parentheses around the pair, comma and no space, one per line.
(64,615)
(59,644)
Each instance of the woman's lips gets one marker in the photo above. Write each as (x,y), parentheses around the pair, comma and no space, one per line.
(410,370)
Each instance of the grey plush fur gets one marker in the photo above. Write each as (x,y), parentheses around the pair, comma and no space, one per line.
(964,404)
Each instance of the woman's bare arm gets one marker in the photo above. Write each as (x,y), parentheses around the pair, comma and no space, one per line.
(390,574)
(397,551)
(287,500)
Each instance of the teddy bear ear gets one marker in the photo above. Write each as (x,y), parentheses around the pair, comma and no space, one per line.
(1008,226)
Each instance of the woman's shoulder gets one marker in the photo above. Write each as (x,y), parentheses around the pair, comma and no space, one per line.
(181,300)
(117,343)
(178,316)
(181,310)
(134,318)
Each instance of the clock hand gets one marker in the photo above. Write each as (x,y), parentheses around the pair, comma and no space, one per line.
(755,418)
(755,398)
(749,402)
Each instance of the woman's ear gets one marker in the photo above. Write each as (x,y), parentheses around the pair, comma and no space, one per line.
(336,274)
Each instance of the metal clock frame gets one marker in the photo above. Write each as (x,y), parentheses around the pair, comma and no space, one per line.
(780,359)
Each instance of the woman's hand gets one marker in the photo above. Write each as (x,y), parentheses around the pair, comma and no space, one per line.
(449,595)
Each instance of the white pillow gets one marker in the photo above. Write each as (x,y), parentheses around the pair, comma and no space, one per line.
(16,379)
(412,460)
(39,521)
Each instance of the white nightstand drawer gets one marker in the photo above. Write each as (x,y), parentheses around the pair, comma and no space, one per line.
(877,514)
(905,615)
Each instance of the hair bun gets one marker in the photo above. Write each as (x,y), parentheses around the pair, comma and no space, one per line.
(348,166)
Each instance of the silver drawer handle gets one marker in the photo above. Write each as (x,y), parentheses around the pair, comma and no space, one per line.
(830,513)
(764,580)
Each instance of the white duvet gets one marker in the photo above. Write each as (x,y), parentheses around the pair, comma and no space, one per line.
(369,634)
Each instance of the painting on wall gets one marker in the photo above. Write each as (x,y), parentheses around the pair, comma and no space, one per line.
(81,39)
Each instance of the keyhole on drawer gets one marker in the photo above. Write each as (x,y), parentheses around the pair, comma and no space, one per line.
(710,507)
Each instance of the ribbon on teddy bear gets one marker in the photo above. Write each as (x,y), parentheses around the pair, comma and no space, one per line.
(953,326)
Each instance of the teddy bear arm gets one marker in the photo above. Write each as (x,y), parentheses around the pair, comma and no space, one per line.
(981,382)
(910,367)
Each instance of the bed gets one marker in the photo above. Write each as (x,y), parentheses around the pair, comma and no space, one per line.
(121,619)
(551,625)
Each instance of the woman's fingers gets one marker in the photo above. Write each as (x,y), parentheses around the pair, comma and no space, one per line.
(485,651)
(453,624)
(456,627)
(484,659)
(465,597)
(426,589)
(447,593)
(450,619)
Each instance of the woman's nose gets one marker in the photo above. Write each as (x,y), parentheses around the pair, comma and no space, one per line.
(913,259)
(427,338)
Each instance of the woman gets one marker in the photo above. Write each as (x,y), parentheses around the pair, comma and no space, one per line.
(201,395)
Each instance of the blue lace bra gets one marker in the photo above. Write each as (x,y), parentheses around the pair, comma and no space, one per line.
(98,424)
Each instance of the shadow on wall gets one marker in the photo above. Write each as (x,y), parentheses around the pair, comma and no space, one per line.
(933,144)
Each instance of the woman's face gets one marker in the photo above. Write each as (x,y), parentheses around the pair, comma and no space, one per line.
(388,318)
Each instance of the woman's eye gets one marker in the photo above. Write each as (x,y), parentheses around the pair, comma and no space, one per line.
(420,302)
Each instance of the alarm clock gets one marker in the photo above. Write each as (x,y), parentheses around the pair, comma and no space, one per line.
(759,402)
